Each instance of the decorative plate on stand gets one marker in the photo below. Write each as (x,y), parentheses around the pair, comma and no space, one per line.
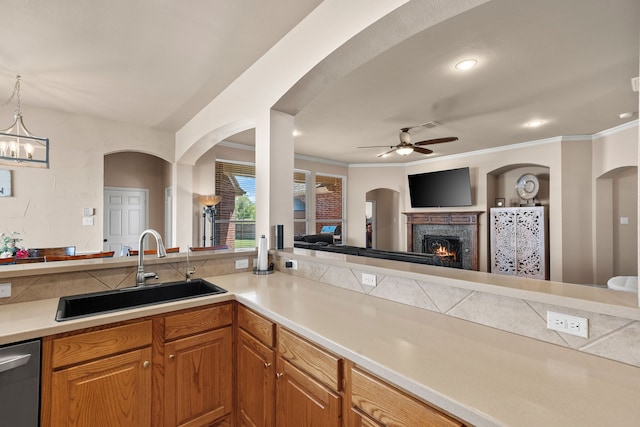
(527,186)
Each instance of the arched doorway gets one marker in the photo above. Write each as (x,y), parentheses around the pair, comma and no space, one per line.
(146,178)
(383,220)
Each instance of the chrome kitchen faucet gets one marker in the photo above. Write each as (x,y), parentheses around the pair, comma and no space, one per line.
(141,276)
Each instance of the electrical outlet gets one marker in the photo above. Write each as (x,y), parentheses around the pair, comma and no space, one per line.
(568,324)
(242,263)
(369,279)
(5,290)
(292,264)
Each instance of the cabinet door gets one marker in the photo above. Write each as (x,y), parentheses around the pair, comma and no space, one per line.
(256,382)
(198,387)
(114,391)
(302,401)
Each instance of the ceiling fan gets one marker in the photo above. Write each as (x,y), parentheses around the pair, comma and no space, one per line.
(406,147)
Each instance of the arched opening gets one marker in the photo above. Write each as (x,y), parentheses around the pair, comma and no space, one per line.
(616,223)
(136,187)
(382,217)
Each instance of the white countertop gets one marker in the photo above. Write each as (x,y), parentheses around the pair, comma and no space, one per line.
(482,375)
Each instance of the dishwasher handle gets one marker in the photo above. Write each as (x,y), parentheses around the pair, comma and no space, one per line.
(14,362)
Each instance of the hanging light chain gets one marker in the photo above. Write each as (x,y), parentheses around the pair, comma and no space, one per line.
(15,95)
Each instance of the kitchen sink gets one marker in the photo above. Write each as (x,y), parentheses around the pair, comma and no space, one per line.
(84,305)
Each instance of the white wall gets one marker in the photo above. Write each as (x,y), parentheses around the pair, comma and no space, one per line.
(46,207)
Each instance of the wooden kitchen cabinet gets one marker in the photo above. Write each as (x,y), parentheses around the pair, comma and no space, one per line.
(166,370)
(255,370)
(297,387)
(198,366)
(308,385)
(99,378)
(374,403)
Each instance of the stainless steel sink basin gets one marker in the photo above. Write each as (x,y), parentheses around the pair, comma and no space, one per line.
(76,306)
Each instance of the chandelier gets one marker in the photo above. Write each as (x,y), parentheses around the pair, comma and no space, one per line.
(18,146)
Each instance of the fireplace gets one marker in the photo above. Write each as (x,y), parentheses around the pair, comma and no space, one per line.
(445,251)
(452,226)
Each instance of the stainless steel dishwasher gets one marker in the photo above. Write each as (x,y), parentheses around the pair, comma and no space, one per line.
(20,384)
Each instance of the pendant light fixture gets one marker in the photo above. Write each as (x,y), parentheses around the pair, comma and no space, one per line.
(18,146)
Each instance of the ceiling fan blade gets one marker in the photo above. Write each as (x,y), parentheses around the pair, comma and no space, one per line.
(437,140)
(377,146)
(422,150)
(388,152)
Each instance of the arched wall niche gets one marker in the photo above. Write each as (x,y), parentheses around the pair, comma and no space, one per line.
(501,185)
(616,224)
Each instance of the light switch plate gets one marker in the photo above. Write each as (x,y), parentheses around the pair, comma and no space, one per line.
(87,220)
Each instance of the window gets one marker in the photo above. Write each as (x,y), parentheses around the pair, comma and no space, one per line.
(329,196)
(235,222)
(236,213)
(300,202)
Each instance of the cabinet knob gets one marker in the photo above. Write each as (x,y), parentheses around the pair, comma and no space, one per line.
(172,356)
(267,365)
(146,364)
(279,375)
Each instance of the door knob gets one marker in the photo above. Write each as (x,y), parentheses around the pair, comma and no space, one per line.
(146,364)
(172,356)
(267,364)
(279,375)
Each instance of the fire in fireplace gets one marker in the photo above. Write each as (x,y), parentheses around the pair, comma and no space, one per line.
(443,250)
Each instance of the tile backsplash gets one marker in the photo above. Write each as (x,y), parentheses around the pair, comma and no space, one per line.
(42,286)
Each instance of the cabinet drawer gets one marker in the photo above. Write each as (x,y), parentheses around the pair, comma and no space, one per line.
(85,346)
(389,406)
(196,321)
(311,359)
(256,325)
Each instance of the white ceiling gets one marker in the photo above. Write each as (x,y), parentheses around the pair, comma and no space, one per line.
(158,62)
(150,62)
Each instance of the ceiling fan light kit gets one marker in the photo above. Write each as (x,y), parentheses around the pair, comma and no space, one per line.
(404,151)
(406,147)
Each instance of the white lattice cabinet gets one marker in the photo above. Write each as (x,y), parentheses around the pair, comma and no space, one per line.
(518,242)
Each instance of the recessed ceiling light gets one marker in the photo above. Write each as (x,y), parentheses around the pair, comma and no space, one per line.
(535,123)
(467,64)
(626,115)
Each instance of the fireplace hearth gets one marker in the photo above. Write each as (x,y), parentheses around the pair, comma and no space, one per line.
(462,226)
(443,250)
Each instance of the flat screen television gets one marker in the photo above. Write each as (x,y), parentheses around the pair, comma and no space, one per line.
(447,188)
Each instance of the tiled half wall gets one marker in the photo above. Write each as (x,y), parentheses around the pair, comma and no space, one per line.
(37,287)
(609,336)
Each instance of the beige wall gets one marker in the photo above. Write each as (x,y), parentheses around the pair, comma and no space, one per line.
(46,206)
(576,215)
(625,236)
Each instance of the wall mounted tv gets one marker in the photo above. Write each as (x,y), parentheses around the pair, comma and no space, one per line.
(447,188)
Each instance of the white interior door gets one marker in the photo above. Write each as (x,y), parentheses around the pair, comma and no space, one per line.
(126,216)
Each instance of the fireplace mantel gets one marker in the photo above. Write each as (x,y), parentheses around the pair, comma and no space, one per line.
(465,219)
